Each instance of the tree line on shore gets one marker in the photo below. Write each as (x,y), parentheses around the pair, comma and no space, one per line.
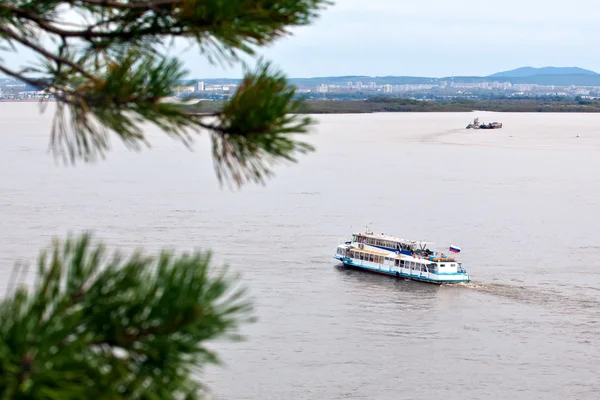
(383,104)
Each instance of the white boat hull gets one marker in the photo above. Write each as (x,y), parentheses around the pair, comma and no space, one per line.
(405,273)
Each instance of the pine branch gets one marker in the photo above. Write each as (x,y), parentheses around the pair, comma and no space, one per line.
(255,128)
(107,327)
(49,55)
(108,77)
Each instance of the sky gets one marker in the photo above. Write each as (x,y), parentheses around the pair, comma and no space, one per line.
(434,38)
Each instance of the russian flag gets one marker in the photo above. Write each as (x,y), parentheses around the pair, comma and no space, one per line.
(454,249)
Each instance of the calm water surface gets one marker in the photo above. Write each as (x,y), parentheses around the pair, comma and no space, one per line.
(523,202)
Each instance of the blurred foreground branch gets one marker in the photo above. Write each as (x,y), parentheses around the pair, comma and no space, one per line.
(108,71)
(99,326)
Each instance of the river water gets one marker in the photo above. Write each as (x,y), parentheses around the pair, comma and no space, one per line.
(523,203)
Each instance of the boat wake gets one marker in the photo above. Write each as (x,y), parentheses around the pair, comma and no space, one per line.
(535,296)
(433,137)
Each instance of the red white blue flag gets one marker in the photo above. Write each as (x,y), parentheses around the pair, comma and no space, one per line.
(454,249)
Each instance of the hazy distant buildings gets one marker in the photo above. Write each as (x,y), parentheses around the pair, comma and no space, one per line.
(322,88)
(184,89)
(332,88)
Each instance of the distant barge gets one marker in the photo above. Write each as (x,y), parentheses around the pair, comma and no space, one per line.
(476,125)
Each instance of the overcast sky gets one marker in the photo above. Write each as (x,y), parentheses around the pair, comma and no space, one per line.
(431,38)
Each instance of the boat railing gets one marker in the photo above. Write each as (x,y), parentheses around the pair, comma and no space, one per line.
(441,258)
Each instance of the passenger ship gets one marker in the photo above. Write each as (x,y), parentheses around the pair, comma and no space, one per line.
(402,258)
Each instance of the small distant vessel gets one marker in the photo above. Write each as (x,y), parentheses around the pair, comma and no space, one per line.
(476,125)
(389,255)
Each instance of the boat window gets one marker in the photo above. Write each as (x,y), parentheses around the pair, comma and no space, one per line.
(370,257)
(397,263)
(402,263)
(376,259)
(362,256)
(442,265)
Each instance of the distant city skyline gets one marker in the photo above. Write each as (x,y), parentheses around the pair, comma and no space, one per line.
(432,38)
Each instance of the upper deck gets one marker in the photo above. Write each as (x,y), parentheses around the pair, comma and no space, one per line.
(391,243)
(392,239)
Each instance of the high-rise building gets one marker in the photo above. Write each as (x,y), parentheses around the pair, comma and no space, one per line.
(200,86)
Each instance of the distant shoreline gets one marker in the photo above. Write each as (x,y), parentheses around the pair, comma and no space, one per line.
(380,105)
(383,105)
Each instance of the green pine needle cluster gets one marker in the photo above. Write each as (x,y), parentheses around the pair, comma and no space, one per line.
(108,71)
(112,327)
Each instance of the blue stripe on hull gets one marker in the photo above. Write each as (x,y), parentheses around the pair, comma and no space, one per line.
(348,263)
